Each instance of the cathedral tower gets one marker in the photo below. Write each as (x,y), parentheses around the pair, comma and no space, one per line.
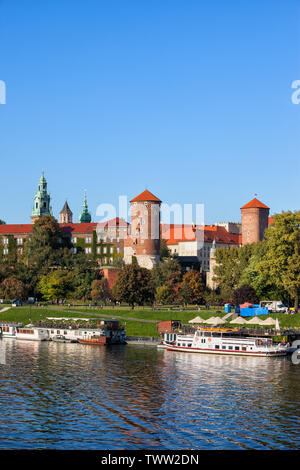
(144,241)
(85,216)
(65,215)
(41,204)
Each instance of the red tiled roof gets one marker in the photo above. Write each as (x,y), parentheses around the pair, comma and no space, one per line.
(255,203)
(25,229)
(146,196)
(175,233)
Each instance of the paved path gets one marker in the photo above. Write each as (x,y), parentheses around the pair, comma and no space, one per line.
(101,315)
(4,309)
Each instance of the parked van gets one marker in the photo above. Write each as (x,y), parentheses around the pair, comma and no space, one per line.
(275,306)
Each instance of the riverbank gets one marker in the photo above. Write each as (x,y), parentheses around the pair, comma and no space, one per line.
(138,323)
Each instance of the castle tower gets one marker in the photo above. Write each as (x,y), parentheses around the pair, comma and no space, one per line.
(85,216)
(212,263)
(41,204)
(144,241)
(65,215)
(255,220)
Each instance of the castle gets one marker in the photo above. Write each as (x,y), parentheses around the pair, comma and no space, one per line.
(107,241)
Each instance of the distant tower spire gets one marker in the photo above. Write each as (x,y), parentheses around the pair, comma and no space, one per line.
(65,215)
(85,216)
(41,204)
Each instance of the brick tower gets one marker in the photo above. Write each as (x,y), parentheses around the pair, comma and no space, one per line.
(255,220)
(143,242)
(66,215)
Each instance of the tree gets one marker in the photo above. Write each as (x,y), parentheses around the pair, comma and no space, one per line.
(45,247)
(281,262)
(134,285)
(167,272)
(100,289)
(164,250)
(12,288)
(165,294)
(244,294)
(56,285)
(2,222)
(191,289)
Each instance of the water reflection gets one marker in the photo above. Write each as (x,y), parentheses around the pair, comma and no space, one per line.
(67,396)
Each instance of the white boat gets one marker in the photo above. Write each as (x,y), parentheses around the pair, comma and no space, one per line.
(222,341)
(9,329)
(33,334)
(168,340)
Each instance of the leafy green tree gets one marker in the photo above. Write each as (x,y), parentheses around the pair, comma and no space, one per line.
(168,272)
(100,290)
(191,289)
(244,294)
(164,250)
(11,288)
(165,294)
(46,245)
(56,285)
(281,261)
(134,285)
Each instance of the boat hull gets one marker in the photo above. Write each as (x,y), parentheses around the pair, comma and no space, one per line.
(228,353)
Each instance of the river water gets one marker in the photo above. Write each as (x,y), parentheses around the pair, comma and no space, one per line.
(72,396)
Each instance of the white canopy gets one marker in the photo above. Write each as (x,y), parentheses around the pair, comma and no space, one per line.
(238,321)
(215,321)
(277,327)
(268,321)
(197,320)
(256,321)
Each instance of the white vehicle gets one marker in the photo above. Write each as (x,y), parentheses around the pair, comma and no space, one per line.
(9,329)
(275,306)
(220,341)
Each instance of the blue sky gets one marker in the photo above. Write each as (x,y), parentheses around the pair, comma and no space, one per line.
(188,98)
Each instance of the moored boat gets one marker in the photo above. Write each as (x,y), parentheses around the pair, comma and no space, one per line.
(9,329)
(222,341)
(32,334)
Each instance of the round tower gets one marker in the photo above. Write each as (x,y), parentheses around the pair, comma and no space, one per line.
(255,220)
(143,242)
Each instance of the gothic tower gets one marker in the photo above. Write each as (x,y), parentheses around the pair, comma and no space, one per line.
(85,216)
(255,220)
(41,204)
(65,215)
(144,241)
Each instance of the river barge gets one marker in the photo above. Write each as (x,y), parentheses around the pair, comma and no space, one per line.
(227,342)
(9,329)
(32,334)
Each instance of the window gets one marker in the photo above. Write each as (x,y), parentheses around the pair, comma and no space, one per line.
(5,251)
(98,239)
(88,240)
(5,241)
(223,347)
(111,260)
(74,250)
(88,250)
(74,239)
(19,241)
(118,239)
(217,346)
(244,349)
(230,347)
(104,260)
(190,345)
(236,348)
(111,249)
(98,250)
(111,239)
(104,249)
(20,251)
(118,250)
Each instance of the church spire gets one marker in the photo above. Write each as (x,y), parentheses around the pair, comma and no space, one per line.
(41,204)
(85,216)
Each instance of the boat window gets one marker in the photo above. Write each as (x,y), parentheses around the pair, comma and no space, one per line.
(244,349)
(203,340)
(57,332)
(190,345)
(217,335)
(223,347)
(217,346)
(178,344)
(237,348)
(230,347)
(207,333)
